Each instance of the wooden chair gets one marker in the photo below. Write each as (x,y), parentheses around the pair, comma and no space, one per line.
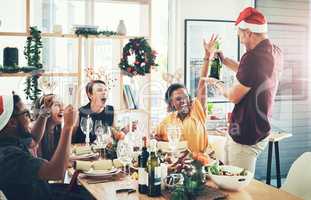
(275,138)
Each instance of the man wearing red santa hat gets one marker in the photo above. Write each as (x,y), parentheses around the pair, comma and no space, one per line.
(253,95)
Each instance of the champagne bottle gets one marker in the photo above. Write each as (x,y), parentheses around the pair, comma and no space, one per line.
(142,169)
(215,65)
(154,172)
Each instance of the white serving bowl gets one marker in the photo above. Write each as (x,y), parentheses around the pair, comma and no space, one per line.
(234,183)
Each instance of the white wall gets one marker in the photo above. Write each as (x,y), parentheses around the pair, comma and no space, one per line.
(197,9)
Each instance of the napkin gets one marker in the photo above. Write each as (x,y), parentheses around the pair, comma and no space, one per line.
(83,165)
(82,150)
(102,165)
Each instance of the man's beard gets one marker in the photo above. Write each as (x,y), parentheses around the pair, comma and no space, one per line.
(24,135)
(22,132)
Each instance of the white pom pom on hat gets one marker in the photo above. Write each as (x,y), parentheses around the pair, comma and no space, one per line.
(6,109)
(252,19)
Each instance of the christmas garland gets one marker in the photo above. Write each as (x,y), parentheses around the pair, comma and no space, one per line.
(87,32)
(144,57)
(32,53)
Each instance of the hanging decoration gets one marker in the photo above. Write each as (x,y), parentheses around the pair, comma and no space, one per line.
(108,76)
(32,53)
(138,57)
(175,77)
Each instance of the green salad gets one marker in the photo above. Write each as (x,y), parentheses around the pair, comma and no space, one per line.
(215,169)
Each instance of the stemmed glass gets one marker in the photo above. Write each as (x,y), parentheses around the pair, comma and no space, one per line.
(99,131)
(125,152)
(86,125)
(103,134)
(173,134)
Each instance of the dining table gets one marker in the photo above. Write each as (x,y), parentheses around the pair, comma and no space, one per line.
(106,190)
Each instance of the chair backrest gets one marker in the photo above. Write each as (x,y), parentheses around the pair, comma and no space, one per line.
(2,197)
(298,181)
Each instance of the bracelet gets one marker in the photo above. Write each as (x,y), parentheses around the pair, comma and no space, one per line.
(206,59)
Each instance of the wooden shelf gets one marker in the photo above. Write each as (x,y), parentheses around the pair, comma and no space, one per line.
(23,74)
(131,110)
(60,35)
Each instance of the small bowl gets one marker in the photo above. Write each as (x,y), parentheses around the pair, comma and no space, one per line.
(233,183)
(173,179)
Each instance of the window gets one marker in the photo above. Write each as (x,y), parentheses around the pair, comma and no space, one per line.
(60,55)
(196,31)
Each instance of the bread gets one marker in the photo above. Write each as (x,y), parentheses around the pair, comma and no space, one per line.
(102,165)
(83,165)
(82,150)
(117,163)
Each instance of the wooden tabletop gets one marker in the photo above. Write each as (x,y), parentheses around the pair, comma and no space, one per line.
(275,137)
(256,190)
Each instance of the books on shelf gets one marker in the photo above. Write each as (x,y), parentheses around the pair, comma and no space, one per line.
(130,97)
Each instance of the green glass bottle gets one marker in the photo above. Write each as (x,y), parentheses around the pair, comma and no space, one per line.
(215,65)
(154,172)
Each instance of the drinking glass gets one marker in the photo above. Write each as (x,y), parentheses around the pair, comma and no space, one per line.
(173,134)
(125,152)
(86,125)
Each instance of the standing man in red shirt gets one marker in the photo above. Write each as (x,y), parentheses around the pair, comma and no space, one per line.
(253,95)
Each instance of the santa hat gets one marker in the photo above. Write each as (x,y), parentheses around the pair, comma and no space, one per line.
(6,109)
(252,19)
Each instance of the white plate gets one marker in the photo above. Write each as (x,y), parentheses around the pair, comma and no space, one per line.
(169,150)
(101,173)
(165,147)
(84,156)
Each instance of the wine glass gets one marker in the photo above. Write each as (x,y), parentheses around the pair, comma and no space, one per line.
(106,136)
(173,134)
(86,125)
(125,152)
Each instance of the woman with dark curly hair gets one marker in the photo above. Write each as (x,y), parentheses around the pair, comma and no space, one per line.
(191,114)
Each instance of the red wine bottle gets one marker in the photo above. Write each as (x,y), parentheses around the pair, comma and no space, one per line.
(142,169)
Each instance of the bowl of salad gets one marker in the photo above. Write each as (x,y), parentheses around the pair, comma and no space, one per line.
(229,177)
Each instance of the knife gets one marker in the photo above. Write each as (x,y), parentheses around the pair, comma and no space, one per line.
(128,190)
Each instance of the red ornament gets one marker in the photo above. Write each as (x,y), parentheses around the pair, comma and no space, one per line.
(129,69)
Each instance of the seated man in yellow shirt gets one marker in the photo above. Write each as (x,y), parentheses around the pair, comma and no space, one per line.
(190,113)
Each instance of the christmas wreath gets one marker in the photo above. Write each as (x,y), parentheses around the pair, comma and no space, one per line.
(138,57)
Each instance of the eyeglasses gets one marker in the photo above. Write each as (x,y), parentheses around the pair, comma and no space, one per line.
(25,113)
